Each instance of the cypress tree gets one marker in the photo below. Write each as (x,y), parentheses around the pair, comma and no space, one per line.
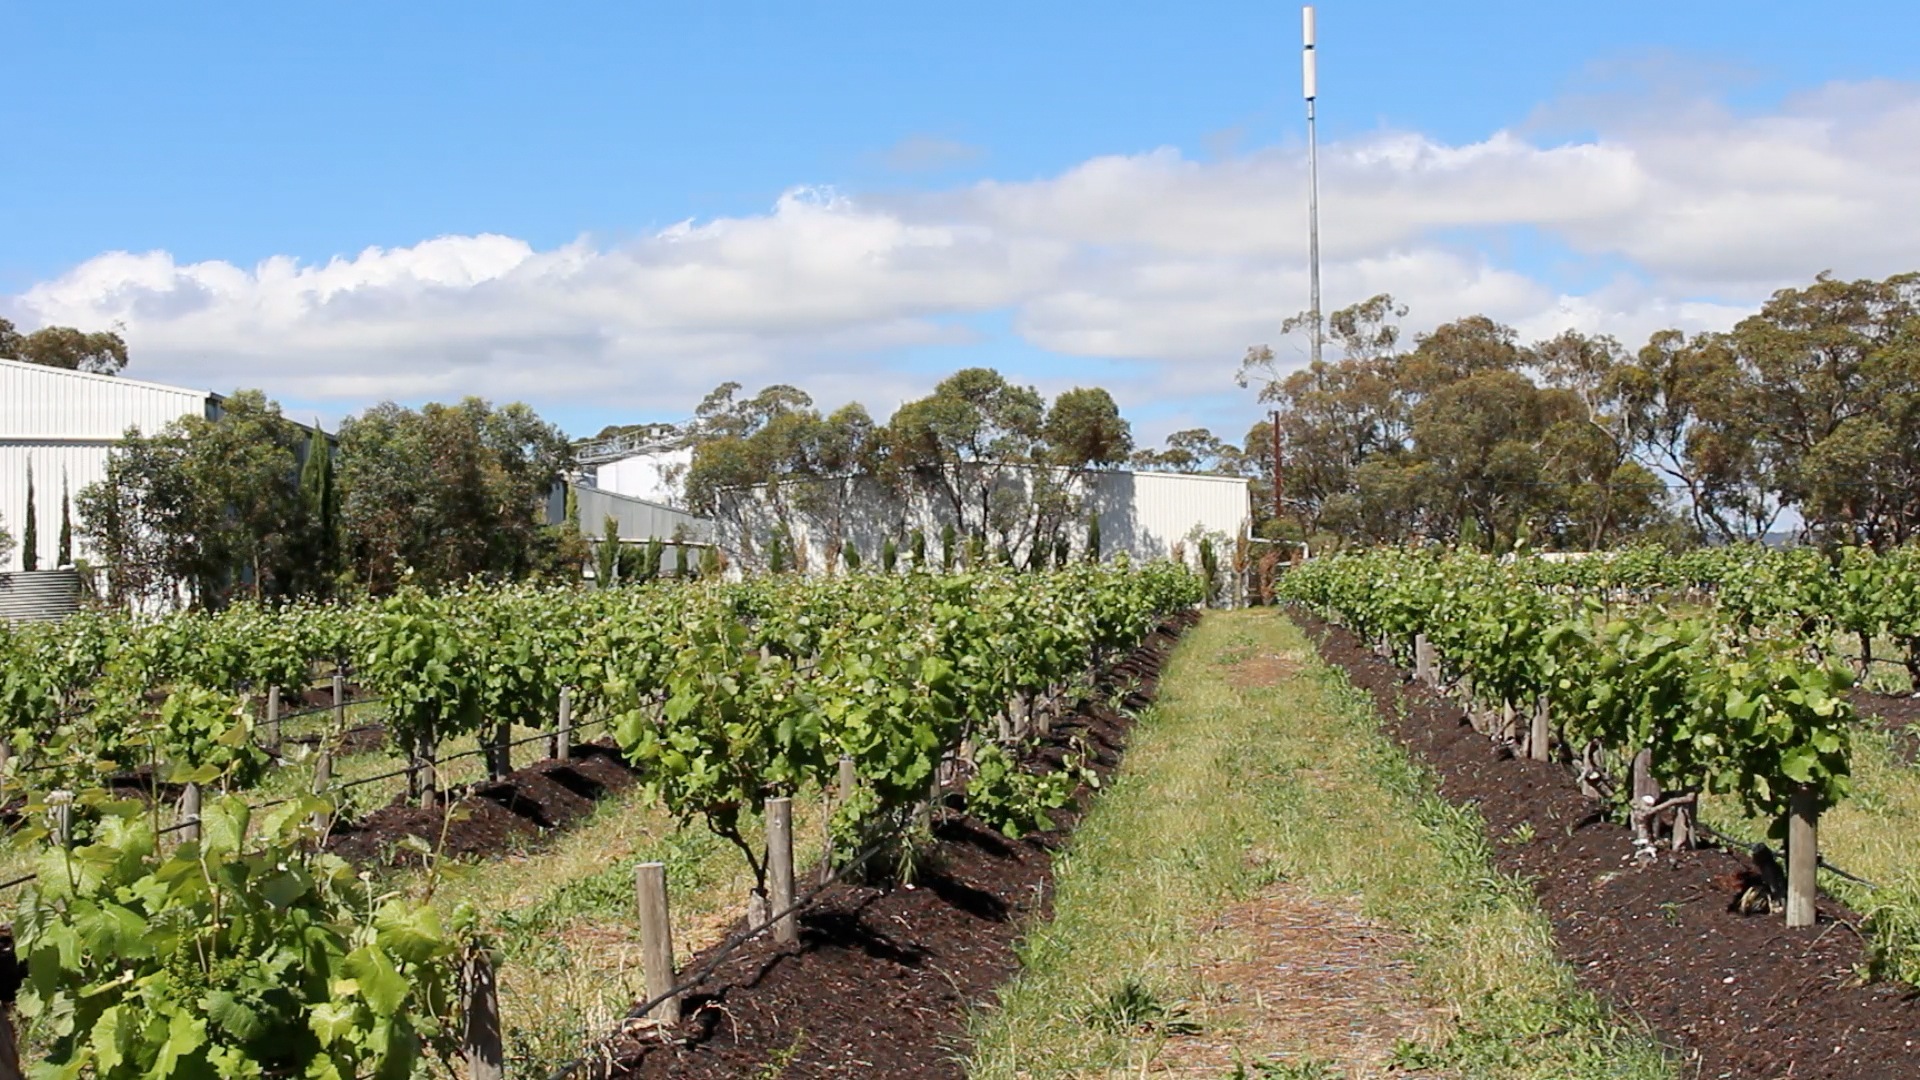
(1062,549)
(710,565)
(680,568)
(946,547)
(30,537)
(850,554)
(889,555)
(977,551)
(656,553)
(776,556)
(609,553)
(316,490)
(66,527)
(917,545)
(1210,567)
(1093,536)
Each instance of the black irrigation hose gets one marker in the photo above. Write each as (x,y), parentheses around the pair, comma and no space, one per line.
(402,771)
(299,714)
(1726,839)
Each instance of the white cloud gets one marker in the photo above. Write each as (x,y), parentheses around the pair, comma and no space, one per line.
(1174,265)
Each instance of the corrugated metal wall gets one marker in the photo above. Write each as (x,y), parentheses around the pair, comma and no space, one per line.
(40,596)
(63,422)
(1150,512)
(1141,513)
(639,520)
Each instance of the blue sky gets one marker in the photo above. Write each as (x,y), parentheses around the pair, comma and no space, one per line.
(228,135)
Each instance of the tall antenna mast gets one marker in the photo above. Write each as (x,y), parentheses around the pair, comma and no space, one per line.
(1311,85)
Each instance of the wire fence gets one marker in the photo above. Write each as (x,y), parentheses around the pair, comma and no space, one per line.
(412,767)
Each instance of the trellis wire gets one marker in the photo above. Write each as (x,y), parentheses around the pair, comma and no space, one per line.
(403,771)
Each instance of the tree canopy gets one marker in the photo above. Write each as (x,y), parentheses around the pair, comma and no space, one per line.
(446,492)
(1001,458)
(1812,404)
(251,503)
(102,352)
(213,505)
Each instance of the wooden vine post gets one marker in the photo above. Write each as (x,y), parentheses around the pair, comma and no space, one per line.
(190,814)
(60,805)
(786,929)
(480,1028)
(1803,856)
(849,779)
(656,940)
(563,731)
(323,769)
(1423,665)
(273,719)
(339,703)
(1542,733)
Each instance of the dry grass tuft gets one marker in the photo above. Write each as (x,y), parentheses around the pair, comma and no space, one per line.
(1267,669)
(1289,976)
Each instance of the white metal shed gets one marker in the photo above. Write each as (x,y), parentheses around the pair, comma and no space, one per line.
(63,423)
(1148,515)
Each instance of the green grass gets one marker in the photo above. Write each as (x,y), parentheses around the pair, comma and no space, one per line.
(1225,791)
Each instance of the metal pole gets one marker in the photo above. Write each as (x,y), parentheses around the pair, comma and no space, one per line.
(1273,419)
(1310,80)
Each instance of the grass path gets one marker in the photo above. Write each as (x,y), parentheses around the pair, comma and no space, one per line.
(1269,888)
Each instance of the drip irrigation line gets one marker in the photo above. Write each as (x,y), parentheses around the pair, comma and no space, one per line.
(1727,838)
(402,771)
(315,710)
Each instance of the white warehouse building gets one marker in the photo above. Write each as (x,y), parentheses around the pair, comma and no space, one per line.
(1147,515)
(62,423)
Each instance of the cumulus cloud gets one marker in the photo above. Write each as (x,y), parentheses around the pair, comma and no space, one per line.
(1164,264)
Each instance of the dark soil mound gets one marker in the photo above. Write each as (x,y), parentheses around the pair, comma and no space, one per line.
(510,813)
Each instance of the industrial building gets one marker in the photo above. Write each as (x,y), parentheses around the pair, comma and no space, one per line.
(1147,515)
(62,423)
(637,521)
